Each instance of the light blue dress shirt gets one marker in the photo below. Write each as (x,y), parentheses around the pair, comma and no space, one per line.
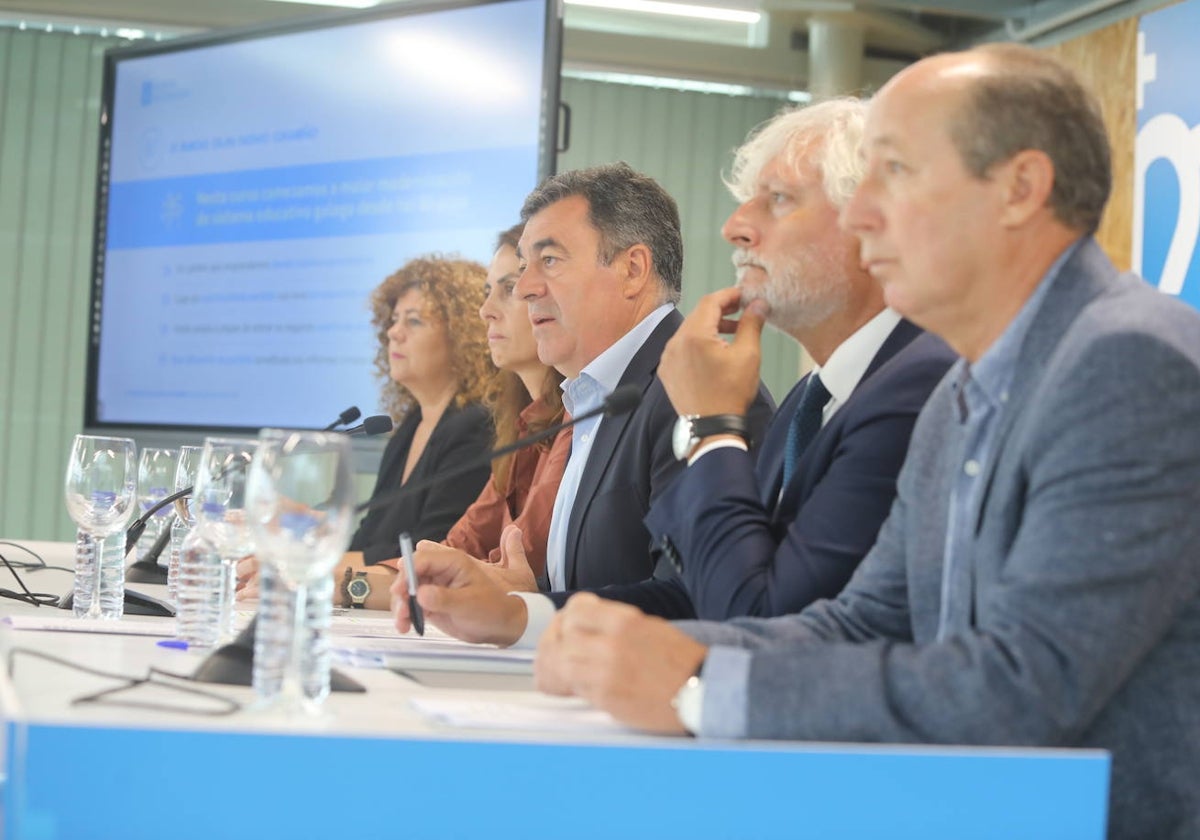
(982,392)
(580,395)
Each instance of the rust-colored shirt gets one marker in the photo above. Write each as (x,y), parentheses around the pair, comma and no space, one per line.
(529,502)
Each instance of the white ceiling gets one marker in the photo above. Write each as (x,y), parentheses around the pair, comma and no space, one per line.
(769,55)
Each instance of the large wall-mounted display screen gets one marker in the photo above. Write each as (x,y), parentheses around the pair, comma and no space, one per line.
(256,186)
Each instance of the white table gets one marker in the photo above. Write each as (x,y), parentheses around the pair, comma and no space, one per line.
(372,766)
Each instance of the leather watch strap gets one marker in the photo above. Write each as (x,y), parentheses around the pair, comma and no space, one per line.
(719,424)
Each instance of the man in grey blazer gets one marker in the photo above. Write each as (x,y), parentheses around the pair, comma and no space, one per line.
(1038,579)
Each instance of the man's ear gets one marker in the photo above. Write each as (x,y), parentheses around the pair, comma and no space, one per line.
(1026,181)
(638,263)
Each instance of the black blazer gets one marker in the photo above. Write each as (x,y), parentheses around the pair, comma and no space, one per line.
(630,464)
(732,546)
(462,435)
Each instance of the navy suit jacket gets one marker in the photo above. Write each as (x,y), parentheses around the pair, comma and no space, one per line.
(630,464)
(732,546)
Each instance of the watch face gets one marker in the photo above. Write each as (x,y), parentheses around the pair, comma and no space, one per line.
(358,588)
(681,438)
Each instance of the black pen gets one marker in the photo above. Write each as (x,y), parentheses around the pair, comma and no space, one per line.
(414,609)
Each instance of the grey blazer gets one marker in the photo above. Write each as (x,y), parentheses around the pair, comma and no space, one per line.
(1084,622)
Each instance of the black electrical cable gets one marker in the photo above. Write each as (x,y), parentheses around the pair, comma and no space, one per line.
(38,599)
(227,705)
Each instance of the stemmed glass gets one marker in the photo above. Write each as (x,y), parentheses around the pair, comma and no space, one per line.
(156,471)
(301,508)
(101,490)
(185,516)
(186,471)
(219,506)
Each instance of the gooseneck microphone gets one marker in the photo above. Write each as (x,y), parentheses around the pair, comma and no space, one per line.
(233,663)
(348,416)
(377,425)
(621,401)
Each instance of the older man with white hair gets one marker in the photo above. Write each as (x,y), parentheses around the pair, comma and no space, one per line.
(769,532)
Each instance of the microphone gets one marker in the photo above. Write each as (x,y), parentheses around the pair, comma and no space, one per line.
(621,401)
(348,416)
(378,424)
(232,664)
(135,531)
(146,569)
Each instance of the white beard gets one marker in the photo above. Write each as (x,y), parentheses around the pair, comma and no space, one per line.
(802,290)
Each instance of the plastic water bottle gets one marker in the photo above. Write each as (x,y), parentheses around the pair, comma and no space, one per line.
(199,592)
(111,588)
(179,531)
(315,676)
(273,637)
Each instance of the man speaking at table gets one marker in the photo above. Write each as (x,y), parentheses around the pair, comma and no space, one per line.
(1037,581)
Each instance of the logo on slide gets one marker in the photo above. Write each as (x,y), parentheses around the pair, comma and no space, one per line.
(1166,173)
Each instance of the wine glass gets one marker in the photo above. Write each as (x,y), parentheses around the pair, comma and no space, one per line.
(156,472)
(219,506)
(101,490)
(300,502)
(186,469)
(185,518)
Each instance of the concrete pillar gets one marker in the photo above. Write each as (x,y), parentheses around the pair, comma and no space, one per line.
(835,56)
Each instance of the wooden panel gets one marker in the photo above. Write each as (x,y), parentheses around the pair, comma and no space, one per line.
(1106,60)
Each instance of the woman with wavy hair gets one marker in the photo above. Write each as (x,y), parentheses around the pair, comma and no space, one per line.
(433,359)
(436,372)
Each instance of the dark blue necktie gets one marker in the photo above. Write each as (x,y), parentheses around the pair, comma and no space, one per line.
(806,422)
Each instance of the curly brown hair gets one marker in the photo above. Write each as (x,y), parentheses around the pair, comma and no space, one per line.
(453,290)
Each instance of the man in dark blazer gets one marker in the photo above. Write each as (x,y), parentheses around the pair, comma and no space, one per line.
(1037,581)
(733,539)
(601,269)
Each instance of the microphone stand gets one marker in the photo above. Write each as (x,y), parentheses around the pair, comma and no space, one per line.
(146,569)
(233,664)
(135,531)
(621,401)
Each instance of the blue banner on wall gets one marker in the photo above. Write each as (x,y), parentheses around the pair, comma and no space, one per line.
(1166,187)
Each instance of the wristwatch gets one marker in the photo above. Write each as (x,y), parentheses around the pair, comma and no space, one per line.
(688,702)
(690,429)
(358,589)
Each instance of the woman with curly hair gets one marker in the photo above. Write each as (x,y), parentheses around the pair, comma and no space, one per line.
(433,359)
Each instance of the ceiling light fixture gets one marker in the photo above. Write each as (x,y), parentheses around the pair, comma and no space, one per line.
(341,4)
(655,7)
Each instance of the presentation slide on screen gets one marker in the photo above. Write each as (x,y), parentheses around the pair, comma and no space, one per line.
(259,190)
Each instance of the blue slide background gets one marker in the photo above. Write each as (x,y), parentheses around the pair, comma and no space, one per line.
(258,191)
